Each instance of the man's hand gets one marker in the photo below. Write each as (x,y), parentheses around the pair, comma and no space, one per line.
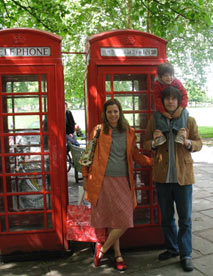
(71,135)
(177,112)
(167,115)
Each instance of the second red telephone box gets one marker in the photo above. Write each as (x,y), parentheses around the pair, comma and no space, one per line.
(122,64)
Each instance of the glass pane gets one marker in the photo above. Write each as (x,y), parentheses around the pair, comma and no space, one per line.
(46,144)
(22,143)
(49,221)
(138,120)
(20,104)
(1,204)
(156,216)
(138,196)
(45,123)
(133,102)
(143,120)
(44,104)
(130,82)
(142,216)
(132,119)
(140,137)
(45,129)
(152,81)
(43,83)
(155,198)
(23,164)
(48,202)
(26,222)
(25,202)
(143,178)
(28,123)
(20,83)
(24,183)
(142,197)
(107,84)
(2,224)
(145,197)
(46,163)
(47,183)
(1,184)
(137,179)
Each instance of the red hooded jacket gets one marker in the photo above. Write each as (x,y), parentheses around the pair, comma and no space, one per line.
(159,87)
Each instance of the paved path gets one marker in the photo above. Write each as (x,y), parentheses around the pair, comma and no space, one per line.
(141,262)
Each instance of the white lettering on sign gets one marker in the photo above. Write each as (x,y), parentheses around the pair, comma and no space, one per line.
(25,52)
(129,52)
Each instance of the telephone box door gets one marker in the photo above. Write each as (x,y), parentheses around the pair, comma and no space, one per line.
(133,87)
(30,195)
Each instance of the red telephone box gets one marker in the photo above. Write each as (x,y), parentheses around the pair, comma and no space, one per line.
(122,64)
(33,183)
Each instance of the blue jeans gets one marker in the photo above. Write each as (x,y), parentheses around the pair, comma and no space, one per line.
(72,140)
(176,241)
(161,121)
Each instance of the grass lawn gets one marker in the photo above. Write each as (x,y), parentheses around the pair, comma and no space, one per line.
(205,132)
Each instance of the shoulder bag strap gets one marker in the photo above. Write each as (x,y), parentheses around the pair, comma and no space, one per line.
(98,132)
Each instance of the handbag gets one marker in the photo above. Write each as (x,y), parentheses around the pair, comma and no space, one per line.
(79,227)
(87,156)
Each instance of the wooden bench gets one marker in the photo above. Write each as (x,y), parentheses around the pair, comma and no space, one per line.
(76,153)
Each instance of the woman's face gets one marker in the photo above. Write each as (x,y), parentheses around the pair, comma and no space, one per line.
(112,115)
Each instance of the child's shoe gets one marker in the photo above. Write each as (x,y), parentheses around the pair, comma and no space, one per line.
(160,140)
(180,139)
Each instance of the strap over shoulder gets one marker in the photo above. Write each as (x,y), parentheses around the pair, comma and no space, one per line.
(98,130)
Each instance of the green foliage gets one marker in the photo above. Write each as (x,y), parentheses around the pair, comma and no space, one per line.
(205,132)
(185,24)
(195,93)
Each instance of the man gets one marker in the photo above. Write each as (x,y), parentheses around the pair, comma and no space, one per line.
(173,174)
(70,126)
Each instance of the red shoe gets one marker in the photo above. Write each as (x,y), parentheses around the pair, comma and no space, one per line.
(121,266)
(98,247)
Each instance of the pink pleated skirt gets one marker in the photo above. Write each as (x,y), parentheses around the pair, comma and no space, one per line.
(115,205)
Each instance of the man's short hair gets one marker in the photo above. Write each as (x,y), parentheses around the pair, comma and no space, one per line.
(165,68)
(172,91)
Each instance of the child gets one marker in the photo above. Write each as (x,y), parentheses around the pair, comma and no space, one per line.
(165,79)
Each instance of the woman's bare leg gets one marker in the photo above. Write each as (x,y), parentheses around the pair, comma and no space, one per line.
(113,239)
(117,250)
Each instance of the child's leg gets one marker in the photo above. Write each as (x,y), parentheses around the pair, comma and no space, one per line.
(181,121)
(161,122)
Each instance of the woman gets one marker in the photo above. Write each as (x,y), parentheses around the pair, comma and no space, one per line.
(109,181)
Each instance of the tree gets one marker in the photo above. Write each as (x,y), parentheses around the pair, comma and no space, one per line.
(194,93)
(185,24)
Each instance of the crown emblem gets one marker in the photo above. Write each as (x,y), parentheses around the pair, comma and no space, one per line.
(129,40)
(19,38)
